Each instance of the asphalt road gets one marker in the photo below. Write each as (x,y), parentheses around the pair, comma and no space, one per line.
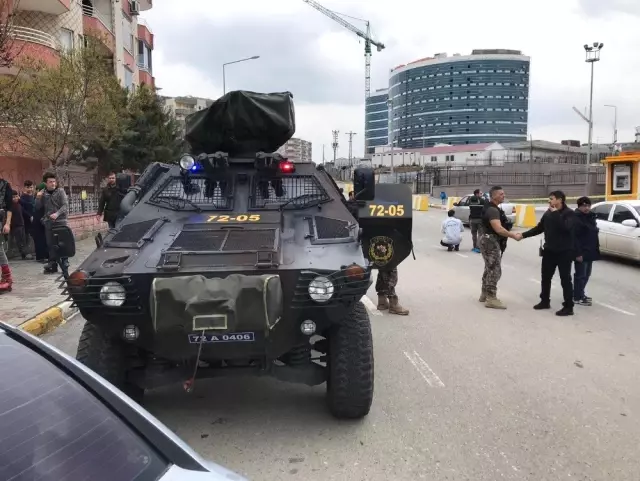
(462,392)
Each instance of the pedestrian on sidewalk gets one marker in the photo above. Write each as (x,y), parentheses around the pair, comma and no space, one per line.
(56,209)
(587,250)
(6,198)
(452,229)
(38,231)
(493,242)
(18,234)
(558,251)
(443,197)
(110,200)
(28,204)
(476,208)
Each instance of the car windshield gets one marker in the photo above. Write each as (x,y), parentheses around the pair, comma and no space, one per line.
(53,429)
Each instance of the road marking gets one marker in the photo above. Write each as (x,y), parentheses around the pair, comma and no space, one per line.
(613,308)
(371,307)
(462,255)
(430,377)
(602,304)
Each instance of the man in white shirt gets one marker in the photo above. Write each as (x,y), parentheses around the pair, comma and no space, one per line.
(452,229)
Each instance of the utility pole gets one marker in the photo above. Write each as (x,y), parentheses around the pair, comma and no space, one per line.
(322,154)
(350,134)
(334,145)
(615,124)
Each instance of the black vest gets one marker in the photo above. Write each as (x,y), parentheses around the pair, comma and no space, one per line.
(504,221)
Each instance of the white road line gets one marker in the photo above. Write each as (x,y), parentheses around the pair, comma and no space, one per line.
(430,377)
(613,308)
(371,307)
(608,306)
(462,255)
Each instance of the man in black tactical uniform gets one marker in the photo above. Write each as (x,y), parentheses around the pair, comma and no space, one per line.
(476,208)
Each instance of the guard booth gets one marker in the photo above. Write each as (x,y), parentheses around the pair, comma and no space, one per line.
(622,176)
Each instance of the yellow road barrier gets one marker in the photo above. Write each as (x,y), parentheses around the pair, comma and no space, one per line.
(421,202)
(526,215)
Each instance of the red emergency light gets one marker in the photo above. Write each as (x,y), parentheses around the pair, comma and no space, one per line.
(287,167)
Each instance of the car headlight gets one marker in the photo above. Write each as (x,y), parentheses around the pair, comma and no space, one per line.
(112,294)
(187,162)
(321,289)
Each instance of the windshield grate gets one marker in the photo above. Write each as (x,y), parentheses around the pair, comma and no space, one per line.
(209,195)
(273,192)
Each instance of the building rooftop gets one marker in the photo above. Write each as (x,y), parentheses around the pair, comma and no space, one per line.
(452,149)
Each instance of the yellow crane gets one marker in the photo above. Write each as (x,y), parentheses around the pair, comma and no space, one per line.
(365,35)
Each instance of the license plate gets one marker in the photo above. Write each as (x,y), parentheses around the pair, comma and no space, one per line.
(231,337)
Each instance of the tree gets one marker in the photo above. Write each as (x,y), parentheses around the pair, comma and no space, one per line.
(8,52)
(57,111)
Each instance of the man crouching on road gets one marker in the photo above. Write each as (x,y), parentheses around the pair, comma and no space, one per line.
(492,243)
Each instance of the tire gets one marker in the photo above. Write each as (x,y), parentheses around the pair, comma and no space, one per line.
(350,363)
(108,357)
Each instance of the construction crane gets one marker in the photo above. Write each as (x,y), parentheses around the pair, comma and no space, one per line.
(366,36)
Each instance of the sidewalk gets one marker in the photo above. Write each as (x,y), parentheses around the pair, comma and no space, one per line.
(34,292)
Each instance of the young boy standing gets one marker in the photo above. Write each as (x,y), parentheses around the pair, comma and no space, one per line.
(17,225)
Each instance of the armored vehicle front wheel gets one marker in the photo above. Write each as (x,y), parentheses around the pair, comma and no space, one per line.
(109,357)
(350,364)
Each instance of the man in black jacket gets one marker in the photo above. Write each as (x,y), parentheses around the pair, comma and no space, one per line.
(476,209)
(558,251)
(587,250)
(109,204)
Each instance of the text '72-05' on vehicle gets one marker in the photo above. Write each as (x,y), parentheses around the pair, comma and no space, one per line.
(236,261)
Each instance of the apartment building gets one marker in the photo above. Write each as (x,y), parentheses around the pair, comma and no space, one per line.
(297,150)
(43,28)
(183,106)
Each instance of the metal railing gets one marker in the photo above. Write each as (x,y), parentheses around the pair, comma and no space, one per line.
(103,18)
(33,35)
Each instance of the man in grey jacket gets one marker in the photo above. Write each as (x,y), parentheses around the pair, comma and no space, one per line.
(56,211)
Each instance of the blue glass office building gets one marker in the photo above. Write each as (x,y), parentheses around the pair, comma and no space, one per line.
(377,124)
(482,97)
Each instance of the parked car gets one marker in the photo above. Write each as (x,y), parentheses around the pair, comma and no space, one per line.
(619,224)
(60,420)
(462,208)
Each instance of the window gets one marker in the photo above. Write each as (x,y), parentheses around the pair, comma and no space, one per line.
(602,211)
(127,35)
(66,38)
(128,79)
(621,214)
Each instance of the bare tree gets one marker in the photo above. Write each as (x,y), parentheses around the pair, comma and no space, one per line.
(8,50)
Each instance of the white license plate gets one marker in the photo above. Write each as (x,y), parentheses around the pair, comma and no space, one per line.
(231,337)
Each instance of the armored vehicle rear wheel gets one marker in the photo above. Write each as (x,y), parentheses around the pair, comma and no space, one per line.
(109,357)
(350,364)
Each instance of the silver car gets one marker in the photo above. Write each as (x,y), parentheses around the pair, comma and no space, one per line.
(619,228)
(60,421)
(462,209)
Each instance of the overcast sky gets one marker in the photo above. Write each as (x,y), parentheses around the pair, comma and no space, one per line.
(322,64)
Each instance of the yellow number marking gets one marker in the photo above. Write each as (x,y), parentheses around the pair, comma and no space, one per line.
(392,210)
(223,218)
(238,218)
(242,218)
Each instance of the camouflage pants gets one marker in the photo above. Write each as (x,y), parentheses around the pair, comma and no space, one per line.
(386,283)
(492,255)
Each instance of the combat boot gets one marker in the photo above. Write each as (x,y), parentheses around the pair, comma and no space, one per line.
(483,296)
(6,281)
(493,302)
(396,308)
(383,303)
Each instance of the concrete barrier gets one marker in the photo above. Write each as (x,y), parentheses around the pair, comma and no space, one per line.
(421,202)
(451,201)
(526,215)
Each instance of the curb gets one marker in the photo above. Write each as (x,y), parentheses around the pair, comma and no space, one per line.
(49,320)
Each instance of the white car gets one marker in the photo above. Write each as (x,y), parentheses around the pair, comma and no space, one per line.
(462,209)
(619,224)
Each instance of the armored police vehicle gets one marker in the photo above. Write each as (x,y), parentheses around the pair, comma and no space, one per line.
(236,261)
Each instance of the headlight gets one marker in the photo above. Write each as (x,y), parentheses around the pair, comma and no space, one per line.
(321,289)
(187,162)
(112,294)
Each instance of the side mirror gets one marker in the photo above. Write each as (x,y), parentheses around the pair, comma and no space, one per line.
(630,223)
(364,183)
(456,204)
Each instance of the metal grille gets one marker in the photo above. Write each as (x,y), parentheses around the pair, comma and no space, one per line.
(328,228)
(88,297)
(204,240)
(250,240)
(209,194)
(345,289)
(225,240)
(300,189)
(133,232)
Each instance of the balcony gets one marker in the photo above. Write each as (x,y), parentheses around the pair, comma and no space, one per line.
(98,24)
(145,78)
(32,45)
(144,32)
(145,5)
(53,7)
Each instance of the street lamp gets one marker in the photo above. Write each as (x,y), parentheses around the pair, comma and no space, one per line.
(224,80)
(615,124)
(592,56)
